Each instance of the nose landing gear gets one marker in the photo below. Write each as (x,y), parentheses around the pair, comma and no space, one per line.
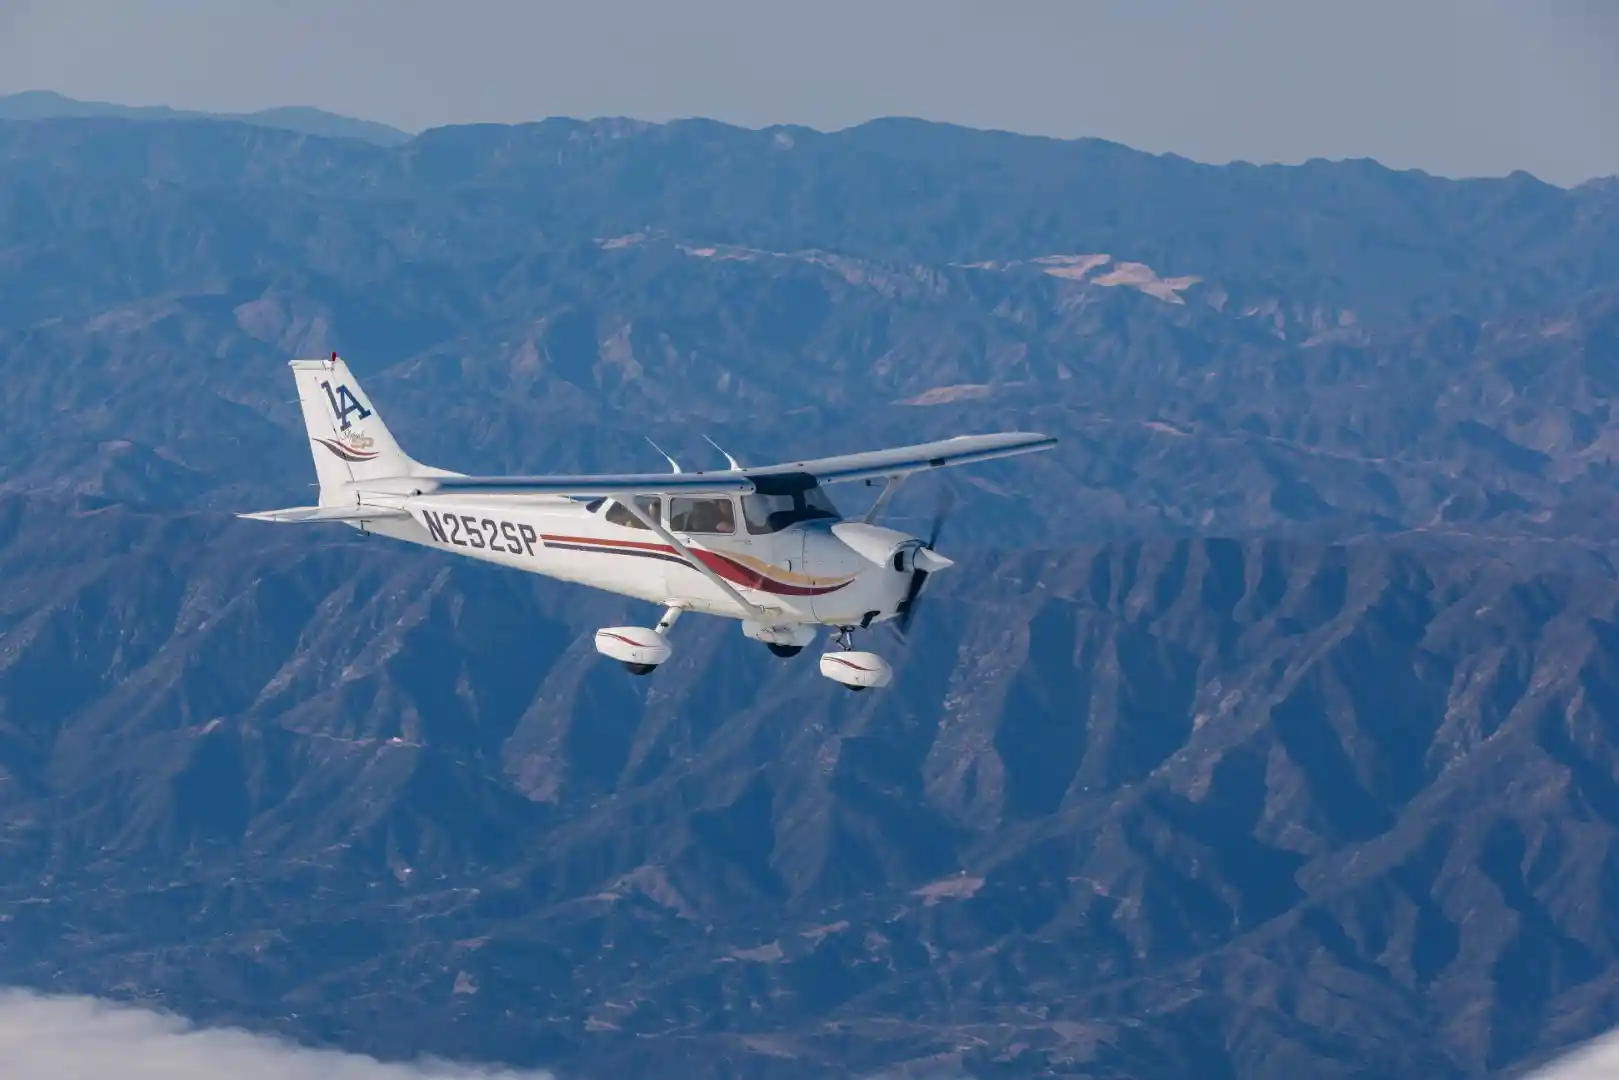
(854,669)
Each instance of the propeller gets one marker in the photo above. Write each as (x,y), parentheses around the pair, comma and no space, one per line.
(926,561)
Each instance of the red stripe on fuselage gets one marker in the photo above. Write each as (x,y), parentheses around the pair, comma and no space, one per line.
(729,569)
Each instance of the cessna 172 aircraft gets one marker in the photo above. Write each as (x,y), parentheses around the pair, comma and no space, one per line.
(762,545)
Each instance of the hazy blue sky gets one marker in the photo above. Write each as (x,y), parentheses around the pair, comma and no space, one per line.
(1459,87)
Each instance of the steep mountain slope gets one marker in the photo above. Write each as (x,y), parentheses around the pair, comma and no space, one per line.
(1263,806)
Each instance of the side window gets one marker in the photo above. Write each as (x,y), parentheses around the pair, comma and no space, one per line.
(650,505)
(701,516)
(758,510)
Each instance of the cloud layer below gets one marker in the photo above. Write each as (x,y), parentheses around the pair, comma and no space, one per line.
(79,1038)
(1596,1060)
(82,1038)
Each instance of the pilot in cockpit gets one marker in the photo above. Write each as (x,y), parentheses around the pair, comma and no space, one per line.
(708,516)
(715,516)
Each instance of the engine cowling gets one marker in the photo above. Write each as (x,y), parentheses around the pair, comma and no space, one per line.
(638,648)
(888,547)
(856,670)
(874,543)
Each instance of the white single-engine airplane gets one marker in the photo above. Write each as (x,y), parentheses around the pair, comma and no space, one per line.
(764,546)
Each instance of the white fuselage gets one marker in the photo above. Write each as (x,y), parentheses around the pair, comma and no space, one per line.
(801,574)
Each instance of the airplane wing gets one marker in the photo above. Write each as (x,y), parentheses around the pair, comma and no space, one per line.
(902,460)
(298,514)
(715,483)
(899,461)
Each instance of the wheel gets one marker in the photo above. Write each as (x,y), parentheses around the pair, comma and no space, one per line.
(640,669)
(855,689)
(784,650)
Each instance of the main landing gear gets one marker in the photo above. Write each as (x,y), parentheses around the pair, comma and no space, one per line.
(783,640)
(639,649)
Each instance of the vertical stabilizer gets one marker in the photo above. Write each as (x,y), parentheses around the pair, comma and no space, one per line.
(347,437)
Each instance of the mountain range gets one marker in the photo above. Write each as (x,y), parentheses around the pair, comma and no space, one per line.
(1266,725)
(49,105)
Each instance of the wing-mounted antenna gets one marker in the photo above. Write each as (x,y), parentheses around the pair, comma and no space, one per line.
(728,458)
(673,464)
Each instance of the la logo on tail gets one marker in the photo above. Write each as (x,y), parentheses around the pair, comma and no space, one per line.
(344,402)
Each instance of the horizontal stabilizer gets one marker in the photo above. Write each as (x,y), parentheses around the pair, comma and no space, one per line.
(326,513)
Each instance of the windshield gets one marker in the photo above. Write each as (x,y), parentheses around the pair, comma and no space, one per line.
(773,513)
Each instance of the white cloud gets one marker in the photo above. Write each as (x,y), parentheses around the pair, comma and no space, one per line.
(1596,1060)
(80,1038)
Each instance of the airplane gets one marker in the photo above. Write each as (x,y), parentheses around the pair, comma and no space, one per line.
(765,546)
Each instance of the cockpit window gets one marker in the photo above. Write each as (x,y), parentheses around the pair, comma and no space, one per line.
(773,513)
(650,505)
(701,516)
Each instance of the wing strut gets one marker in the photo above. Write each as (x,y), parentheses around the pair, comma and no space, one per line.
(882,498)
(697,564)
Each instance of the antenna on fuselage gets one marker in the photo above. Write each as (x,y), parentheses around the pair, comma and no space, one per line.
(731,460)
(673,464)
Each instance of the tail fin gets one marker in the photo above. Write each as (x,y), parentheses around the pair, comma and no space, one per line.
(347,437)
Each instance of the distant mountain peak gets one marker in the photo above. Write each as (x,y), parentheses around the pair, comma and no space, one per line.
(303,119)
